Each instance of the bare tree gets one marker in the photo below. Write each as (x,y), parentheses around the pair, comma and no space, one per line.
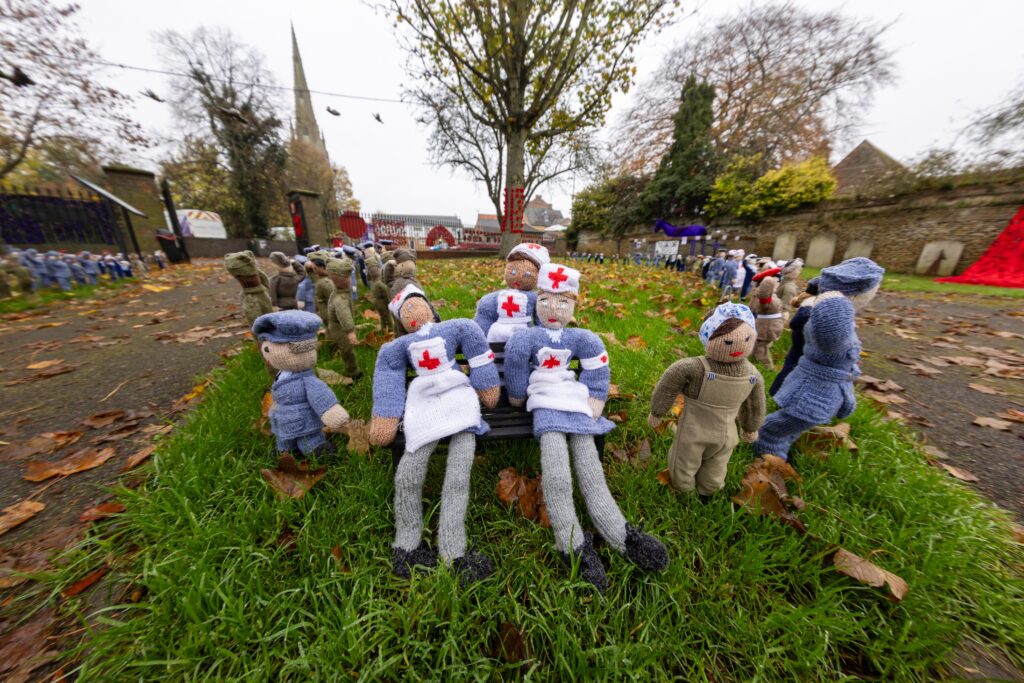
(789,84)
(51,91)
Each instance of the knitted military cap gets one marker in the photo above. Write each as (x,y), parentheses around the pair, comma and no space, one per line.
(240,263)
(792,266)
(852,276)
(531,251)
(720,315)
(279,259)
(286,326)
(341,267)
(403,255)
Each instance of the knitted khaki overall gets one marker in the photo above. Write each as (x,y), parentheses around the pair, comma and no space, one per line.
(768,309)
(322,293)
(341,325)
(379,296)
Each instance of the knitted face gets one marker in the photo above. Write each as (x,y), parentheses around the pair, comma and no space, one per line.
(415,313)
(861,300)
(732,341)
(521,273)
(290,356)
(405,269)
(555,311)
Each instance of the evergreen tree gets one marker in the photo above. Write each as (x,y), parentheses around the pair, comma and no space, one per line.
(686,173)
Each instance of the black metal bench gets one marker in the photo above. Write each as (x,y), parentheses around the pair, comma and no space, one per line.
(507,423)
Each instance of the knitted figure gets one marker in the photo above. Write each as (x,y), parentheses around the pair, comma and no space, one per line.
(379,294)
(303,404)
(5,285)
(567,413)
(59,272)
(767,307)
(803,303)
(820,387)
(790,282)
(77,271)
(720,388)
(284,284)
(716,269)
(405,270)
(440,402)
(323,287)
(255,301)
(305,298)
(387,272)
(21,273)
(139,267)
(89,265)
(341,325)
(501,313)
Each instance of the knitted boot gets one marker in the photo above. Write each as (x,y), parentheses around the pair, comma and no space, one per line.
(591,568)
(402,561)
(644,550)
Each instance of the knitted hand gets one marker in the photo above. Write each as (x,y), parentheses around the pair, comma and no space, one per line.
(596,406)
(300,304)
(489,397)
(750,437)
(352,339)
(335,418)
(516,402)
(653,422)
(383,430)
(849,405)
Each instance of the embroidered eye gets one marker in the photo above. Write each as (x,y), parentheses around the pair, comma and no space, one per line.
(747,338)
(266,349)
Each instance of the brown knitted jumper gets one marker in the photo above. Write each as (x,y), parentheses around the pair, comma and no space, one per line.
(686,377)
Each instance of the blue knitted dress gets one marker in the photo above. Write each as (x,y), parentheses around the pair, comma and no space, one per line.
(537,365)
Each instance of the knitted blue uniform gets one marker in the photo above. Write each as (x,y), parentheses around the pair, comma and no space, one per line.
(729,269)
(92,270)
(59,273)
(300,399)
(304,292)
(520,359)
(821,386)
(796,347)
(487,309)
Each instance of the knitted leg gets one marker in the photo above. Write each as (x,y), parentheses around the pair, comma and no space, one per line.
(603,509)
(348,356)
(451,531)
(761,352)
(711,475)
(556,478)
(779,431)
(409,477)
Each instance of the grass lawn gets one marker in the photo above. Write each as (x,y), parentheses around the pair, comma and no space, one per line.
(233,583)
(45,297)
(901,282)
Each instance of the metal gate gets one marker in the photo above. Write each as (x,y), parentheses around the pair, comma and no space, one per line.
(32,217)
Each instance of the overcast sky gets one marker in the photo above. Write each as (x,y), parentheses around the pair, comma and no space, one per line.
(953,58)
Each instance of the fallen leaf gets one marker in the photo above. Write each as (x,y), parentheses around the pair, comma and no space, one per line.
(371,314)
(986,389)
(43,364)
(884,398)
(332,377)
(993,422)
(101,511)
(636,342)
(358,436)
(510,646)
(869,573)
(526,493)
(292,479)
(664,478)
(764,490)
(85,582)
(831,435)
(156,288)
(19,513)
(103,419)
(956,472)
(1018,532)
(25,648)
(138,457)
(610,338)
(119,434)
(1012,414)
(79,461)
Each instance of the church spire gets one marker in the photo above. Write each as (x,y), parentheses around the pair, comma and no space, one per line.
(305,128)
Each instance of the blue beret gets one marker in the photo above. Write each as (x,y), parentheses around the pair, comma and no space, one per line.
(852,276)
(286,326)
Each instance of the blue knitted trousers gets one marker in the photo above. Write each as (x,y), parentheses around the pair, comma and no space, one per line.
(779,431)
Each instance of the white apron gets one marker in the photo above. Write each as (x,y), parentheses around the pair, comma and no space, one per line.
(512,316)
(440,401)
(554,386)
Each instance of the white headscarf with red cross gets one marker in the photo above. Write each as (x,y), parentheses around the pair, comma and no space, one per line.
(558,279)
(534,252)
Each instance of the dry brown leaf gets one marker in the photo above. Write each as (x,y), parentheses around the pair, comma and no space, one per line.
(764,490)
(610,338)
(292,479)
(636,342)
(664,478)
(831,435)
(138,457)
(1012,414)
(103,419)
(884,398)
(371,314)
(85,582)
(1018,532)
(677,406)
(119,434)
(986,389)
(358,436)
(79,461)
(25,648)
(869,573)
(993,422)
(51,442)
(43,364)
(101,511)
(332,377)
(956,472)
(19,513)
(523,492)
(510,646)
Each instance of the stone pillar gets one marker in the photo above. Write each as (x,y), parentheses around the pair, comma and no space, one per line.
(137,187)
(307,219)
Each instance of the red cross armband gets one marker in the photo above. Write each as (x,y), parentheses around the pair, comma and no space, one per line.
(481,360)
(595,363)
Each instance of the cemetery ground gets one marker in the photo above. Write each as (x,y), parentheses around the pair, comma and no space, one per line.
(206,573)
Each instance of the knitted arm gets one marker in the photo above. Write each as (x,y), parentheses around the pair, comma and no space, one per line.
(518,351)
(594,370)
(482,373)
(486,311)
(832,323)
(752,410)
(264,280)
(319,395)
(342,312)
(389,381)
(682,377)
(274,295)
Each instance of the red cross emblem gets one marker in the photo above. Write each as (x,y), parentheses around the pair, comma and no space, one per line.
(531,245)
(557,277)
(428,362)
(491,355)
(510,307)
(397,297)
(604,358)
(551,362)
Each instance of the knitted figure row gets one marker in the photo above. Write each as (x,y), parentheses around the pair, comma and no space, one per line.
(34,271)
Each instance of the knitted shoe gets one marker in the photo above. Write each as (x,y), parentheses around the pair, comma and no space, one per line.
(473,566)
(644,550)
(402,561)
(591,569)
(325,451)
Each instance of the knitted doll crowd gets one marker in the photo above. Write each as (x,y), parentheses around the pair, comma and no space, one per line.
(33,272)
(422,396)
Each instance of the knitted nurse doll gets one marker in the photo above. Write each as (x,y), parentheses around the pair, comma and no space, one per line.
(720,388)
(501,313)
(440,402)
(567,413)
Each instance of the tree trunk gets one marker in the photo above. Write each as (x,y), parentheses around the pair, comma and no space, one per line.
(514,180)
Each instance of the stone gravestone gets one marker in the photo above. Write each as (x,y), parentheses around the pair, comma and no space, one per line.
(858,247)
(939,258)
(785,247)
(821,250)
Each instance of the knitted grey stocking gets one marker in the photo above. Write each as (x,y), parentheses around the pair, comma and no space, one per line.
(556,478)
(603,509)
(409,477)
(451,530)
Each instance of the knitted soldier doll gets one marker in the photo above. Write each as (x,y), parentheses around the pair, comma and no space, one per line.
(820,387)
(284,284)
(767,307)
(323,287)
(255,300)
(440,402)
(77,271)
(305,298)
(720,388)
(567,413)
(139,267)
(501,313)
(5,285)
(303,404)
(405,270)
(387,272)
(379,292)
(790,282)
(59,271)
(92,271)
(341,325)
(716,269)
